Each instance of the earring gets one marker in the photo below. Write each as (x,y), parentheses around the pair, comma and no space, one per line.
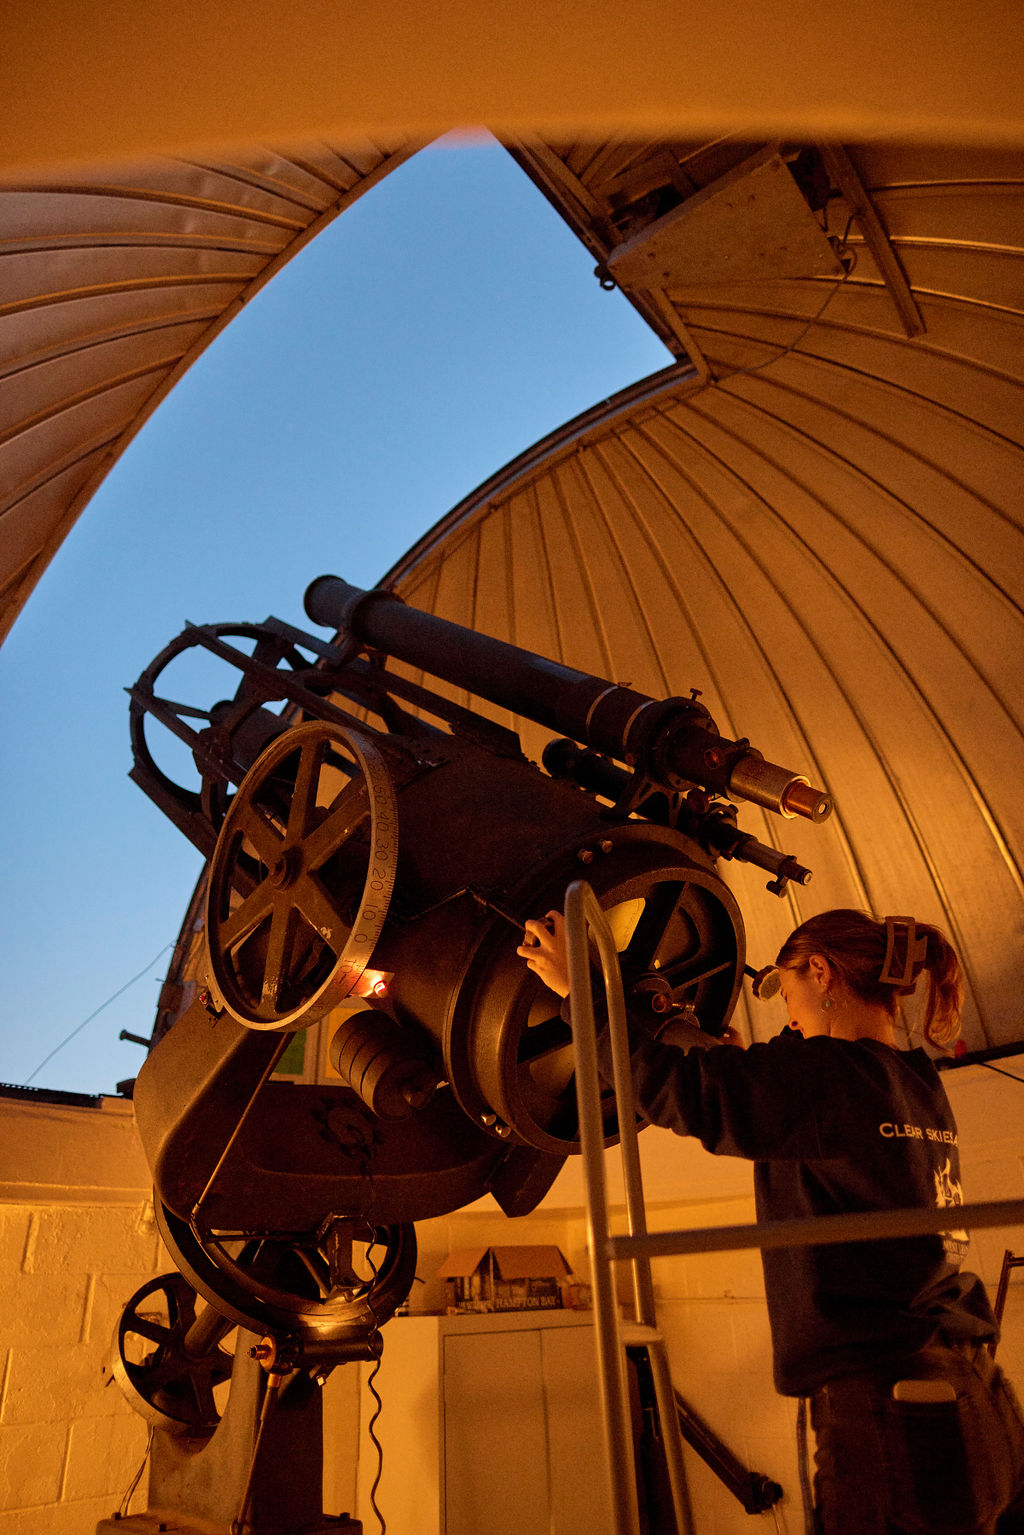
(826,1003)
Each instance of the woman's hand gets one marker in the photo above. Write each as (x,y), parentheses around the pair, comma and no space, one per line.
(543,949)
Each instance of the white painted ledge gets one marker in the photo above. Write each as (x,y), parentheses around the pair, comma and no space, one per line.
(71,1153)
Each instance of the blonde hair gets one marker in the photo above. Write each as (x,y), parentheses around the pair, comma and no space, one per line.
(859,949)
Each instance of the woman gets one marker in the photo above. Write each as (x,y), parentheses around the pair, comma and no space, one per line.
(916,1428)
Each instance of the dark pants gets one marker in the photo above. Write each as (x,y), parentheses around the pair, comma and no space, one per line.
(888,1467)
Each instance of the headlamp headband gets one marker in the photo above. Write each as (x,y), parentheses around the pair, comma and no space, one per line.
(905,952)
(765,983)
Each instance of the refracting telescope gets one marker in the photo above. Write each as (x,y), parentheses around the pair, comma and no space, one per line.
(373,847)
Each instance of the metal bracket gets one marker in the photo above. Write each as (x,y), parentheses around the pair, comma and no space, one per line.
(842,171)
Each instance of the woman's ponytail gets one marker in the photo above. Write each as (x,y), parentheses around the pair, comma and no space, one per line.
(945,989)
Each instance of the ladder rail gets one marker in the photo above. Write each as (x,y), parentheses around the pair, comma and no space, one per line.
(583,919)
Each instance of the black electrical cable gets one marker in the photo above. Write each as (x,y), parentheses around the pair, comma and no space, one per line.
(841,249)
(375,1342)
(1012,1075)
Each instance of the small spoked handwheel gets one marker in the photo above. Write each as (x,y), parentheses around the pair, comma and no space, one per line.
(167,1361)
(509,1053)
(301,877)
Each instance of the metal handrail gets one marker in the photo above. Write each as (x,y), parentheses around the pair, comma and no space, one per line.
(819,1230)
(584,917)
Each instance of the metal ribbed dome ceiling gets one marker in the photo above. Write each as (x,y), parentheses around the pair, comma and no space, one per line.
(110,286)
(829,544)
(817,522)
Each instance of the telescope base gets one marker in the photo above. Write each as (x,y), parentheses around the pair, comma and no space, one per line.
(197,1487)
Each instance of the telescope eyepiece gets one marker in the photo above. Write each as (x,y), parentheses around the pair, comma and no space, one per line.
(777,788)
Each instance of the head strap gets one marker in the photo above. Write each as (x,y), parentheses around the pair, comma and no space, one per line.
(765,983)
(905,952)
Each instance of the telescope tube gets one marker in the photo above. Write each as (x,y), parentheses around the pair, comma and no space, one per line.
(672,741)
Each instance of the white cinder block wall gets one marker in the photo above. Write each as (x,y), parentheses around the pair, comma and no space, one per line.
(77,1239)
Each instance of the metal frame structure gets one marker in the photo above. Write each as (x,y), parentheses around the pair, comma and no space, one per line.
(584,916)
(585,921)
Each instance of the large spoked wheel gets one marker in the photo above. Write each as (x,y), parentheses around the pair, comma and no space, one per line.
(511,1058)
(321,1287)
(301,877)
(206,793)
(166,1365)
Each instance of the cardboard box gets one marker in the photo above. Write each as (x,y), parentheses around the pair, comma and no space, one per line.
(505,1278)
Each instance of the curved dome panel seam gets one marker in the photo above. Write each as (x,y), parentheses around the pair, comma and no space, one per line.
(137,240)
(78,346)
(900,669)
(606,664)
(161,197)
(537,461)
(729,470)
(783,425)
(579,465)
(559,653)
(877,748)
(82,452)
(917,345)
(72,402)
(271,186)
(126,285)
(737,609)
(675,586)
(890,386)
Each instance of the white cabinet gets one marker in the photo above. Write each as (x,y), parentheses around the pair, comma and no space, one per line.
(491,1426)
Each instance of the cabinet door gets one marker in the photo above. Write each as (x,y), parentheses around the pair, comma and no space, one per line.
(495,1442)
(409,1429)
(580,1493)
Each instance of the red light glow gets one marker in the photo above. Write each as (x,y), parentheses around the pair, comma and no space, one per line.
(372,983)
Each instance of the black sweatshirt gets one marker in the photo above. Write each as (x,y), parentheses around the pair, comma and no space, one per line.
(832,1126)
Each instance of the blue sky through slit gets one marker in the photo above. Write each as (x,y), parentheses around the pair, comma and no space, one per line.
(438,328)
